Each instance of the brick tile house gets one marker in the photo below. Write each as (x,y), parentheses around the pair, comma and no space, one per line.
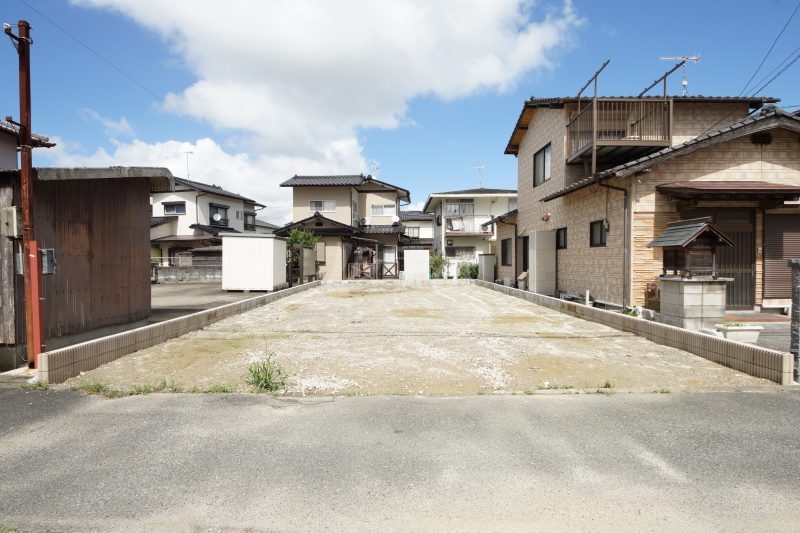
(599,178)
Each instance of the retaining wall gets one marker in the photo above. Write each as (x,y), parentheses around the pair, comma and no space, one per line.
(750,359)
(59,365)
(193,274)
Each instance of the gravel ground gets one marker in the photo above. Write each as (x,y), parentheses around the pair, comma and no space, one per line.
(446,339)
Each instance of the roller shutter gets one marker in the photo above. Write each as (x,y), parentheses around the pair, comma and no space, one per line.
(781,242)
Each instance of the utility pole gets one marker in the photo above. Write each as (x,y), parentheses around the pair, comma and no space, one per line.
(31,270)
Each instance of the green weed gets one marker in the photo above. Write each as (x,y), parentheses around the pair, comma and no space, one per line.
(36,385)
(266,375)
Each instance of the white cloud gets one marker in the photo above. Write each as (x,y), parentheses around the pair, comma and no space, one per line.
(297,79)
(113,128)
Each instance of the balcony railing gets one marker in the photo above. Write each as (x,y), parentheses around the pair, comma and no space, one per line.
(461,224)
(627,128)
(221,222)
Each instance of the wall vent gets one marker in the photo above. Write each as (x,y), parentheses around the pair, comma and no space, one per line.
(761,138)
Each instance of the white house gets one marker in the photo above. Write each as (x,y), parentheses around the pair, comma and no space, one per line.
(458,231)
(193,215)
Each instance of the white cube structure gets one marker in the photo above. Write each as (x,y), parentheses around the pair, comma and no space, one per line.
(253,262)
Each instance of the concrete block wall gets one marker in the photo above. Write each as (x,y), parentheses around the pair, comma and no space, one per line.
(753,360)
(57,366)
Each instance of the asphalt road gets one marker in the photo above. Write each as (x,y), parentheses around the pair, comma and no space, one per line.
(721,461)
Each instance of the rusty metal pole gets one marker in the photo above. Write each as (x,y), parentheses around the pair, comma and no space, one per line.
(794,338)
(32,280)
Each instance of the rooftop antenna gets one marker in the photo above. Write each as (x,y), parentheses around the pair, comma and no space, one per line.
(480,169)
(693,59)
(187,152)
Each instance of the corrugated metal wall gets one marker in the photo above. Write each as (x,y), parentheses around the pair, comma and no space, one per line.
(6,271)
(781,242)
(100,231)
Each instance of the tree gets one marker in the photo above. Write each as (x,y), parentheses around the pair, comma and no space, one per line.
(302,237)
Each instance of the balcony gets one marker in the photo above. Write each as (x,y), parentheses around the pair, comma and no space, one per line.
(620,130)
(463,225)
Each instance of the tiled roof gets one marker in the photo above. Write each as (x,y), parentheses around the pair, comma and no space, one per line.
(349,180)
(38,140)
(770,117)
(214,230)
(157,221)
(684,232)
(410,241)
(478,191)
(325,181)
(214,189)
(384,229)
(417,216)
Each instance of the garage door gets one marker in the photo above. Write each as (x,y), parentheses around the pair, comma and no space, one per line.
(781,242)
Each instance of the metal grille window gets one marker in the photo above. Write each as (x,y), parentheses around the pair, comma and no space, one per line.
(597,233)
(505,252)
(323,206)
(561,239)
(460,252)
(412,232)
(542,165)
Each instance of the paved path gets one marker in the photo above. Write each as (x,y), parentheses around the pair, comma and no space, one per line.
(185,462)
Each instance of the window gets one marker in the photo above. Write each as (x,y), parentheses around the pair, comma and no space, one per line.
(460,252)
(412,232)
(541,166)
(238,215)
(218,214)
(462,207)
(323,206)
(385,210)
(505,252)
(597,233)
(561,239)
(174,208)
(250,221)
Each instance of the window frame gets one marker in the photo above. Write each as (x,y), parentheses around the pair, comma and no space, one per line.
(543,158)
(249,221)
(328,206)
(218,208)
(460,252)
(561,238)
(412,231)
(167,205)
(505,252)
(602,236)
(384,210)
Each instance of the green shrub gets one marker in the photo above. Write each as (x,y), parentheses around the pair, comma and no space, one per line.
(266,374)
(468,271)
(437,265)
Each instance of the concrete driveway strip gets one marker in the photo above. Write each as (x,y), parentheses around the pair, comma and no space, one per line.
(422,339)
(185,462)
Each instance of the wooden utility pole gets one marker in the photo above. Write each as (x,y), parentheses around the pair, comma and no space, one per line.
(31,270)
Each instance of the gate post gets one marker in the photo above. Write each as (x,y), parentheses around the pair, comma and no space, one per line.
(794,343)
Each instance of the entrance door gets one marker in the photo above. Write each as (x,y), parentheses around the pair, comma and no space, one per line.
(737,261)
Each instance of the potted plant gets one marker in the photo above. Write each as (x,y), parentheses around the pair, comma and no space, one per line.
(739,332)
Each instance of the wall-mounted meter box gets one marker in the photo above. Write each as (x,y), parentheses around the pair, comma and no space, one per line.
(48,261)
(11,222)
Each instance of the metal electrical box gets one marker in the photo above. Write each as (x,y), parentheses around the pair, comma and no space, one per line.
(48,261)
(11,222)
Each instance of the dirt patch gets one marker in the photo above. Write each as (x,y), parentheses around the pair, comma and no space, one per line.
(438,339)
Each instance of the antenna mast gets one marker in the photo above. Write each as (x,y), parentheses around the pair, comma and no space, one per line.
(480,169)
(684,59)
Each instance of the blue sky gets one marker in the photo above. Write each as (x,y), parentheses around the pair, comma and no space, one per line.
(418,93)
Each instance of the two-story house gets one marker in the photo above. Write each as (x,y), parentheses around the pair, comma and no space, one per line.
(193,215)
(599,178)
(357,218)
(459,230)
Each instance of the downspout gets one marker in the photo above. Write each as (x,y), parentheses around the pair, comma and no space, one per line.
(626,267)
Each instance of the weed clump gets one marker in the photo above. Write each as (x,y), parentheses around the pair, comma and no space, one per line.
(266,375)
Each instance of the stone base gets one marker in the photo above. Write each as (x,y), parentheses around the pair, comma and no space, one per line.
(697,303)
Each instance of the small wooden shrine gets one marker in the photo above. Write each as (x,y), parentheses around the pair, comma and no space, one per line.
(689,247)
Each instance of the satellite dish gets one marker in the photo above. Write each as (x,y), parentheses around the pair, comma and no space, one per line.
(217,217)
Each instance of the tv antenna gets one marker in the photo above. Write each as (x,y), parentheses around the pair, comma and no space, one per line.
(480,169)
(684,81)
(188,153)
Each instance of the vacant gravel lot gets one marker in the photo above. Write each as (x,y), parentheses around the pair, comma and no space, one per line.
(439,339)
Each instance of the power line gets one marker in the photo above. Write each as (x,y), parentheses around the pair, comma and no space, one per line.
(770,50)
(107,61)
